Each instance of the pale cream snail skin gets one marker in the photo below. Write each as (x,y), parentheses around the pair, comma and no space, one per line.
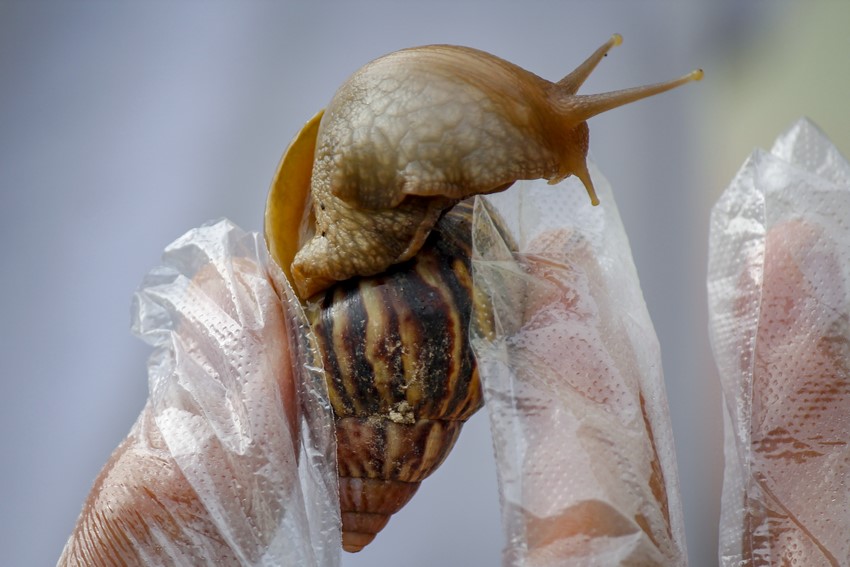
(413,132)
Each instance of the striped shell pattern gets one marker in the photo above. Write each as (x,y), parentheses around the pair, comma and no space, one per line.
(401,377)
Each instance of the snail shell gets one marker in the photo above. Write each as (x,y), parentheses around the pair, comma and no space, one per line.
(401,376)
(357,195)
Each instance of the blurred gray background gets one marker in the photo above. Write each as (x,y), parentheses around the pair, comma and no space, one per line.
(124,124)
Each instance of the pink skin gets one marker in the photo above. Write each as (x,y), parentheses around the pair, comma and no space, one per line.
(592,483)
(142,510)
(799,425)
(795,498)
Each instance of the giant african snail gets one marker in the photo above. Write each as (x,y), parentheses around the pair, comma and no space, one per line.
(359,190)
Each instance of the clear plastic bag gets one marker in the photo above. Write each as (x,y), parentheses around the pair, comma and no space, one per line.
(232,461)
(573,384)
(779,308)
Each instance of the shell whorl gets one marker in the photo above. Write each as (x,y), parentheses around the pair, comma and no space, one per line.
(401,376)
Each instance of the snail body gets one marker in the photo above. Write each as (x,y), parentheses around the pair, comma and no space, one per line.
(413,132)
(349,220)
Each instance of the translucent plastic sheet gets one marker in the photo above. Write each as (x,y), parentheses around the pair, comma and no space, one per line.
(232,462)
(779,269)
(573,384)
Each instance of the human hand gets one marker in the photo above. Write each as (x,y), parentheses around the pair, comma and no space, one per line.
(217,469)
(779,305)
(574,388)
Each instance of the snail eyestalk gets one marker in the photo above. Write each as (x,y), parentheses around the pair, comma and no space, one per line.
(584,177)
(583,107)
(574,111)
(572,82)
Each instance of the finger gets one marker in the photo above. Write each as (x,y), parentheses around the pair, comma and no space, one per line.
(142,510)
(794,500)
(581,413)
(211,461)
(609,449)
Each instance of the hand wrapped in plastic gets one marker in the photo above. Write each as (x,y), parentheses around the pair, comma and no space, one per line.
(231,460)
(780,327)
(573,386)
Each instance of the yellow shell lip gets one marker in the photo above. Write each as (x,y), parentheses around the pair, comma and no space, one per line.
(289,196)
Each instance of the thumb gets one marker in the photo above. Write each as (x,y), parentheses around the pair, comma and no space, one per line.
(210,473)
(577,408)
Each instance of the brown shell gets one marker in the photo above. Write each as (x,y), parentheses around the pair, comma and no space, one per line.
(401,376)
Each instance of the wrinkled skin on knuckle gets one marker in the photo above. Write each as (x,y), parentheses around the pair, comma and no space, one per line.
(142,510)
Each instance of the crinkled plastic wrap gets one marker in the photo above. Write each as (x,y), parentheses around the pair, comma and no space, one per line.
(779,269)
(573,384)
(235,449)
